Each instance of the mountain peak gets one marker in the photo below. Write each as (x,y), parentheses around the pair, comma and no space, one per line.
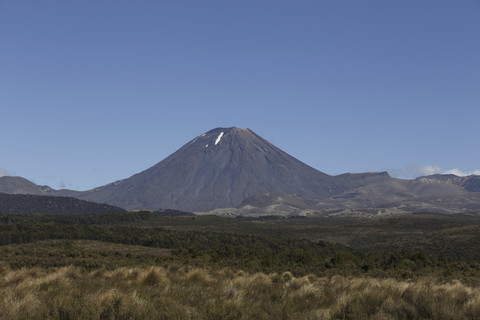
(222,136)
(217,169)
(230,130)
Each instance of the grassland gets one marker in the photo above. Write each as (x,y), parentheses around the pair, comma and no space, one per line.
(143,266)
(193,293)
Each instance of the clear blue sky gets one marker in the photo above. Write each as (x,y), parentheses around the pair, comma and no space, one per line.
(95,91)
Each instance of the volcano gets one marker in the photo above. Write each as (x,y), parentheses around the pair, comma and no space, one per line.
(236,168)
(217,169)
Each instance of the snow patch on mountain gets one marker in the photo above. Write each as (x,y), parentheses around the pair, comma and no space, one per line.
(219,138)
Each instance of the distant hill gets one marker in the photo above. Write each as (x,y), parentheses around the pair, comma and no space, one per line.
(23,203)
(19,185)
(172,213)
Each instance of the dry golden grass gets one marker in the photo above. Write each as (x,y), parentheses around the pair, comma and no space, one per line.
(194,293)
(153,276)
(197,276)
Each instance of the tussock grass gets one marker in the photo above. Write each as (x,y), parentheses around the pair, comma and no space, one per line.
(153,276)
(286,276)
(4,268)
(197,276)
(195,293)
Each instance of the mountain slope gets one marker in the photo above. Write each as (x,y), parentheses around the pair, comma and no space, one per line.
(217,169)
(392,192)
(350,181)
(469,183)
(386,196)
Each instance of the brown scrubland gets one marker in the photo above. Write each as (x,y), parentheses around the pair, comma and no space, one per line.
(193,293)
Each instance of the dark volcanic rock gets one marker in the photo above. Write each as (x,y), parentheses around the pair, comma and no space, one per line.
(25,203)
